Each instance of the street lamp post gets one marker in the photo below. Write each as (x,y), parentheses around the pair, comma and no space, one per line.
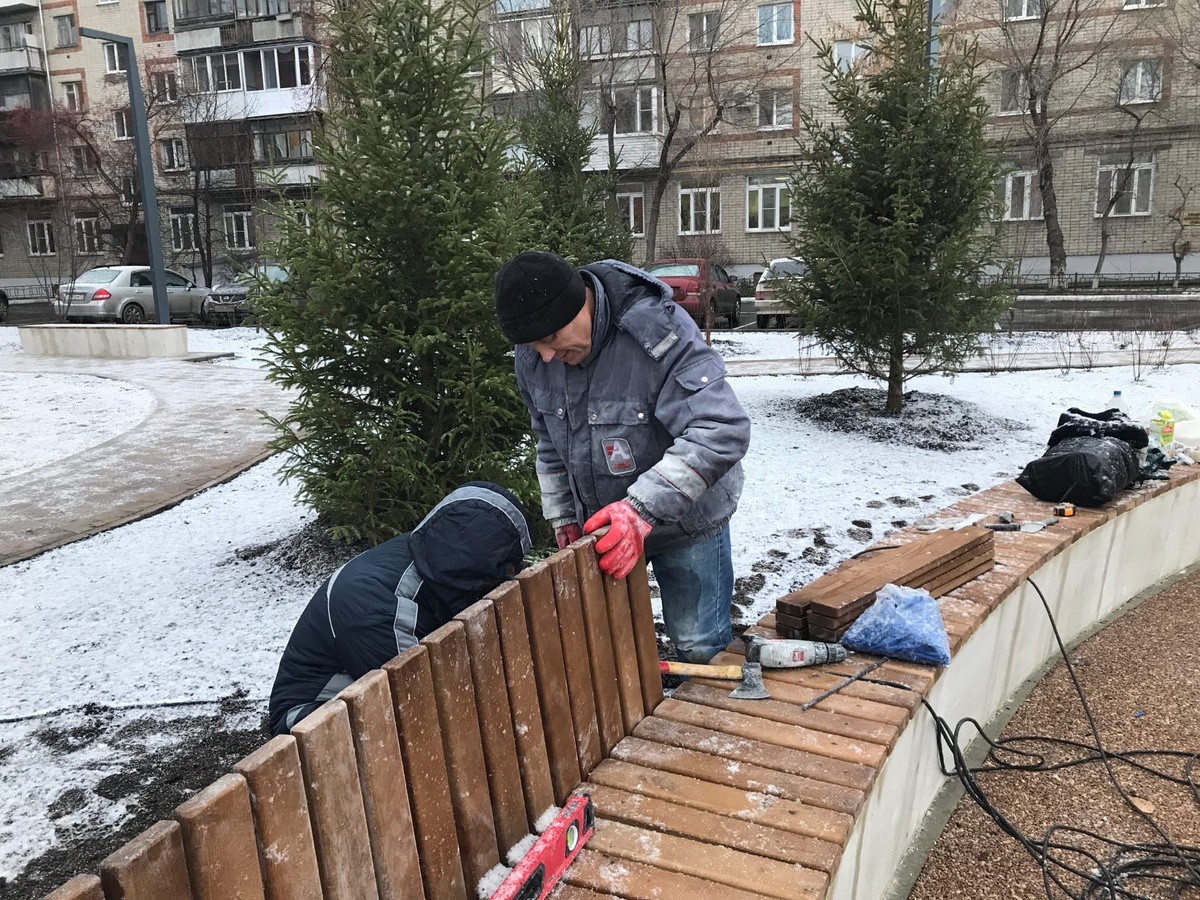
(145,167)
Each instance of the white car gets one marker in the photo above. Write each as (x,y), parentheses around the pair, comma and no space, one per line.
(124,294)
(765,304)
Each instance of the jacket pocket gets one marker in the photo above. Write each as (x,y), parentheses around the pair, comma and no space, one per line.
(622,438)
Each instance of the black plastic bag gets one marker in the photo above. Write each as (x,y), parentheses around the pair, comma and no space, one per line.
(1086,471)
(1109,423)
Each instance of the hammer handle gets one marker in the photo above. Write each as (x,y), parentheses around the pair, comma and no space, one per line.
(728,673)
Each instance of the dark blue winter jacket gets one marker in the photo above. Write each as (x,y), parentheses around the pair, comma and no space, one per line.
(384,600)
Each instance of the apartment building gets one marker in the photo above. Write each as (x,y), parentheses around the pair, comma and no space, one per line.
(230,89)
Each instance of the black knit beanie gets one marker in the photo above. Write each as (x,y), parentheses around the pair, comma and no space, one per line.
(537,293)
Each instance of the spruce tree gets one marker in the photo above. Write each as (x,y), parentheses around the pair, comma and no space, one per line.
(577,217)
(386,329)
(892,205)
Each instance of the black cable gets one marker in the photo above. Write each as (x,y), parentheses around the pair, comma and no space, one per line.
(1127,868)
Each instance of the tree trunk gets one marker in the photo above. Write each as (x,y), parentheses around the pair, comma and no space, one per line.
(660,189)
(1055,243)
(1178,272)
(895,397)
(1104,235)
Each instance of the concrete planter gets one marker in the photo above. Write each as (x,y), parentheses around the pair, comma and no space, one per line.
(105,341)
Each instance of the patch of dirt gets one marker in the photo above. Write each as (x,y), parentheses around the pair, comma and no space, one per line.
(310,551)
(746,588)
(167,762)
(928,421)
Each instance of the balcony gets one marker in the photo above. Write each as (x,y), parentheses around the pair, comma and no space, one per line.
(17,6)
(634,151)
(28,187)
(15,101)
(22,60)
(197,13)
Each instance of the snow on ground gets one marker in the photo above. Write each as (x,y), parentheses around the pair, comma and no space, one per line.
(164,610)
(47,417)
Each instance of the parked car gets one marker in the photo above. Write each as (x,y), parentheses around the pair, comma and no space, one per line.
(232,302)
(765,304)
(697,282)
(124,294)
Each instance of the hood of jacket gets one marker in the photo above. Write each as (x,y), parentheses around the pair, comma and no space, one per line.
(471,541)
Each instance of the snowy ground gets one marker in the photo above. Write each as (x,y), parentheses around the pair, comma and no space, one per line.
(103,636)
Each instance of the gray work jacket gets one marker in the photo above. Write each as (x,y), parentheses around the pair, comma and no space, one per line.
(648,416)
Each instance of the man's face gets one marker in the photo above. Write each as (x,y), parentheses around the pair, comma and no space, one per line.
(571,343)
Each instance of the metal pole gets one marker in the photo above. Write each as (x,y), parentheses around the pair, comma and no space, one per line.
(145,167)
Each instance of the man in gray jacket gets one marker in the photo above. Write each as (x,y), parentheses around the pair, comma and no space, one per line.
(636,429)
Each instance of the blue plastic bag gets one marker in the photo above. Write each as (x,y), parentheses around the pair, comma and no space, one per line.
(904,623)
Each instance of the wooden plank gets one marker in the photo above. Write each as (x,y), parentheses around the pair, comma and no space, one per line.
(858,774)
(335,803)
(150,867)
(839,802)
(537,594)
(81,887)
(683,821)
(420,735)
(644,637)
(960,577)
(566,891)
(218,842)
(384,787)
(864,731)
(642,881)
(722,865)
(523,697)
(495,723)
(285,840)
(600,648)
(568,603)
(620,624)
(724,800)
(454,692)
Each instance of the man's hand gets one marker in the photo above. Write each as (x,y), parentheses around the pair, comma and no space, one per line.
(620,548)
(567,534)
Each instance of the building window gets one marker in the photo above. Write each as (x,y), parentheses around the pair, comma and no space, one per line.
(594,40)
(1129,188)
(1141,82)
(704,31)
(848,54)
(166,87)
(700,210)
(84,160)
(521,38)
(87,234)
(768,204)
(636,110)
(65,28)
(1018,196)
(238,229)
(639,37)
(775,24)
(632,209)
(272,69)
(127,190)
(775,109)
(123,124)
(1016,10)
(174,154)
(73,95)
(156,17)
(41,237)
(283,146)
(1014,92)
(114,59)
(1144,4)
(183,231)
(216,73)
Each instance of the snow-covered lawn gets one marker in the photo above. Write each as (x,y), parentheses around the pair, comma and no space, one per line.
(165,610)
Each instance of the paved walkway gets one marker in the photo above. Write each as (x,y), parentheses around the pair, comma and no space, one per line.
(1000,362)
(204,429)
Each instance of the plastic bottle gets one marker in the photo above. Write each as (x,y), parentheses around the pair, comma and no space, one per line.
(1166,428)
(1117,402)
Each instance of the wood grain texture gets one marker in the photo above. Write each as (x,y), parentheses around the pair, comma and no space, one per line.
(150,867)
(568,602)
(600,647)
(644,637)
(218,841)
(335,803)
(286,848)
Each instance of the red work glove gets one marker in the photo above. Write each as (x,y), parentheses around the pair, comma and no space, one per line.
(567,534)
(620,548)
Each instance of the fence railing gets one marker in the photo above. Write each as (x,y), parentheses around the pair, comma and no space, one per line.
(1149,282)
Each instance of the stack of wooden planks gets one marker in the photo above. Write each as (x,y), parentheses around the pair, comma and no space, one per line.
(939,563)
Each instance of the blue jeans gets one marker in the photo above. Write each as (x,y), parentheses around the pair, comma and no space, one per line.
(696,585)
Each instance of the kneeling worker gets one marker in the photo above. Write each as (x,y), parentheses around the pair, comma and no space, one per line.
(636,428)
(384,600)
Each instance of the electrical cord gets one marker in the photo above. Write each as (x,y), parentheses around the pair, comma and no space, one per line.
(1127,868)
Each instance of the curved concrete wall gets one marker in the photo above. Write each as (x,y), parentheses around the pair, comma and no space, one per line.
(1084,582)
(105,341)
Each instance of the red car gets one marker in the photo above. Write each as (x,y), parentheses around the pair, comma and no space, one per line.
(699,282)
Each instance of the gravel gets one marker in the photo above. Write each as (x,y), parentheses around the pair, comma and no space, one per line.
(1142,682)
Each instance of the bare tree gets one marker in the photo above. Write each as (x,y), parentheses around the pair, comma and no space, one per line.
(1181,247)
(1049,54)
(1121,186)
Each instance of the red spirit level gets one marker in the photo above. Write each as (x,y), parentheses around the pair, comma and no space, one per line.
(539,870)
